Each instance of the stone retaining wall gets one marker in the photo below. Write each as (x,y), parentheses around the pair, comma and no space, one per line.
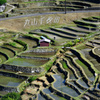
(43,50)
(8,89)
(22,69)
(13,75)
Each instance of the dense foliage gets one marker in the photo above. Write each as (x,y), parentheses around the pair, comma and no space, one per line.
(11,96)
(3,2)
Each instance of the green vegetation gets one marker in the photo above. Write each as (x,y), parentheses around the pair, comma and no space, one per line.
(32,78)
(3,2)
(76,41)
(64,64)
(80,63)
(16,45)
(22,43)
(69,44)
(73,43)
(11,96)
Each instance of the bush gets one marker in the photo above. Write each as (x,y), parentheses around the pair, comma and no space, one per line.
(76,41)
(81,39)
(32,78)
(11,96)
(3,2)
(69,44)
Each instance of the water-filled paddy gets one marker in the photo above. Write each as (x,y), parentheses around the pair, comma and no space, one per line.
(47,91)
(59,84)
(27,62)
(81,90)
(39,97)
(10,81)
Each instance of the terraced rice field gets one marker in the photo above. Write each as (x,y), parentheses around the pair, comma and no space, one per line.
(31,43)
(7,51)
(10,81)
(48,6)
(34,54)
(74,75)
(13,48)
(24,62)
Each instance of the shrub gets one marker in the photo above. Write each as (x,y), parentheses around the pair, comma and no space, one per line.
(76,41)
(32,78)
(3,2)
(81,39)
(69,44)
(11,96)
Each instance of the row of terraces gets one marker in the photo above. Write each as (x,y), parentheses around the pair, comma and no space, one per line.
(22,57)
(70,78)
(75,75)
(78,4)
(22,7)
(19,59)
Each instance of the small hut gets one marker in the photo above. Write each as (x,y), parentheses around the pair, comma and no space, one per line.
(44,41)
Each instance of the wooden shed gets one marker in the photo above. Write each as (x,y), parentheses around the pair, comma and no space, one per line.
(44,42)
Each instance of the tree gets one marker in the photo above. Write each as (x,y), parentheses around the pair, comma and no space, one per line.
(3,2)
(11,96)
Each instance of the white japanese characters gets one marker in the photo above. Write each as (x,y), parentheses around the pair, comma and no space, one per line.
(42,20)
